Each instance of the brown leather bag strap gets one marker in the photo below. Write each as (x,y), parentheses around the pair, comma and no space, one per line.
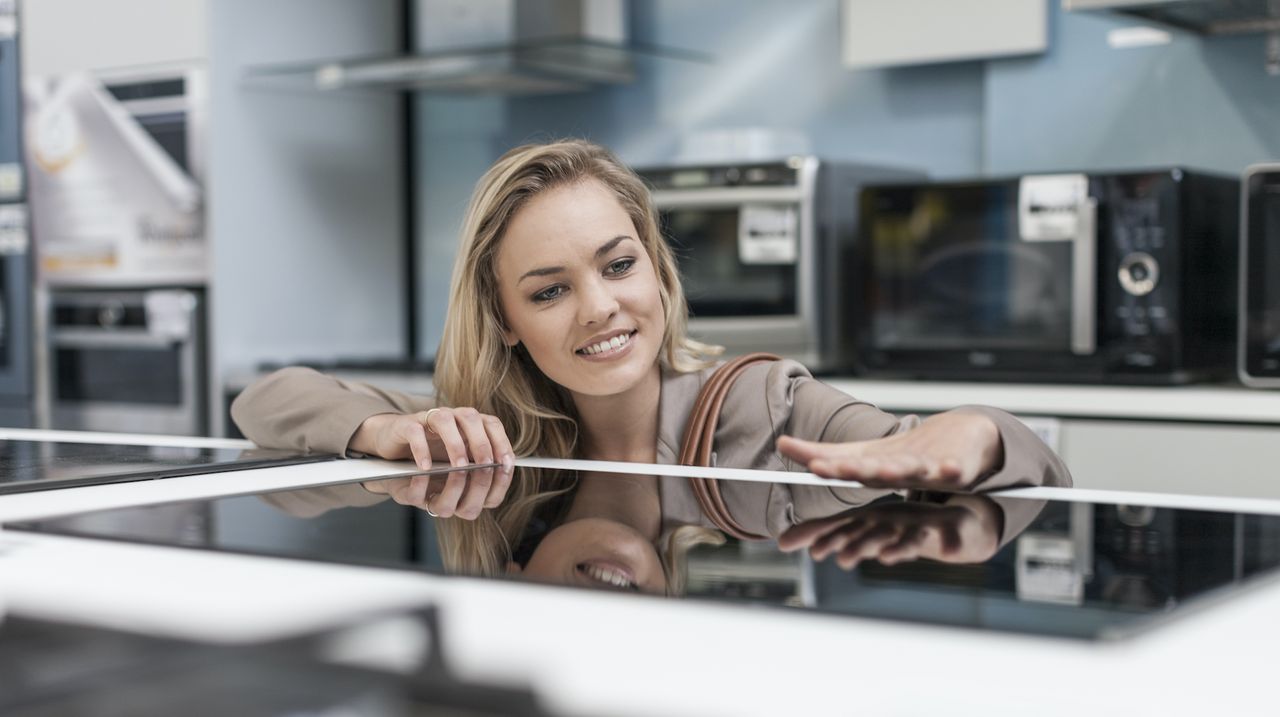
(699,435)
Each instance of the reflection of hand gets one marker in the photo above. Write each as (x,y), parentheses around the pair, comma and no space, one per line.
(949,451)
(462,494)
(966,529)
(456,435)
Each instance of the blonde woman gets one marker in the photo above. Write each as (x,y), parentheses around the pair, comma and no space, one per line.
(566,337)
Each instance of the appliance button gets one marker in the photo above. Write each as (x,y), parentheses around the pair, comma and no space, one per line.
(1139,273)
(732,175)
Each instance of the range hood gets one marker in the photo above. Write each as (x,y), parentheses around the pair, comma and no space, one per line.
(493,47)
(1209,17)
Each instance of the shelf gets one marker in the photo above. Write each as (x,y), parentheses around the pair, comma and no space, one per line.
(1203,403)
(1207,17)
(541,67)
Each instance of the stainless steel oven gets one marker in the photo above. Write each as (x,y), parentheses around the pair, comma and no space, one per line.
(128,361)
(1260,277)
(762,249)
(1125,276)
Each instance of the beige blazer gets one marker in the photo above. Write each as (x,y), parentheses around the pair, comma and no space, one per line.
(298,408)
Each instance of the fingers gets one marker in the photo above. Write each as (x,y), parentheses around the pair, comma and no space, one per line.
(804,534)
(473,430)
(502,451)
(501,482)
(444,424)
(473,497)
(415,435)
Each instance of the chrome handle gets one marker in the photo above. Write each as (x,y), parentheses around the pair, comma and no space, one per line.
(1084,280)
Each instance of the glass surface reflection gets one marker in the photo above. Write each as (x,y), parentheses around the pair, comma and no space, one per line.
(988,561)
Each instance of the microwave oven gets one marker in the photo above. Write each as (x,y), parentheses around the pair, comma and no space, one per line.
(762,248)
(1125,277)
(1260,277)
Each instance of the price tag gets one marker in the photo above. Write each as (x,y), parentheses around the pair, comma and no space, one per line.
(1049,206)
(768,234)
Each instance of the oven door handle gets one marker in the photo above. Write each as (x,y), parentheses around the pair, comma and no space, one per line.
(99,339)
(1084,281)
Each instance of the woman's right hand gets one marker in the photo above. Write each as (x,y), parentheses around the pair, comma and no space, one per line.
(459,436)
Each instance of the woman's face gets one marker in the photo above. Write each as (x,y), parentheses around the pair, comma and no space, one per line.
(596,553)
(579,291)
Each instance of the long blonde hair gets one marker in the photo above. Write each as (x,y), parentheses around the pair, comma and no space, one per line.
(475,366)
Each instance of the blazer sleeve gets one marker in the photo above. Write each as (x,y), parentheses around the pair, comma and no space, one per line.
(301,409)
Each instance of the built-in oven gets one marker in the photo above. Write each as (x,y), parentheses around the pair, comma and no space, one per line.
(1110,277)
(128,361)
(1260,277)
(761,249)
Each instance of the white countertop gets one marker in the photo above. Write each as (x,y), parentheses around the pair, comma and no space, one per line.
(588,653)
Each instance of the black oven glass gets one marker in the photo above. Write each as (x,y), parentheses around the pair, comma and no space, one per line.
(716,281)
(1078,570)
(120,375)
(169,130)
(1263,281)
(949,270)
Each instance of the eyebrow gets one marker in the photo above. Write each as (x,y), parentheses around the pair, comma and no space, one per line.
(605,248)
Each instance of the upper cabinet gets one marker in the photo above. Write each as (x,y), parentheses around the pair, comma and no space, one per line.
(62,36)
(881,33)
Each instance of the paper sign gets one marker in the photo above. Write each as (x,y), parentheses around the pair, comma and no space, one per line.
(768,234)
(1049,206)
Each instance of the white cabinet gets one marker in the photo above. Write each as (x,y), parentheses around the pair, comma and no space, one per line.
(879,33)
(61,36)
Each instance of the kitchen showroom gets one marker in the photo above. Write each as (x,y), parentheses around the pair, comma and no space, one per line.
(355,356)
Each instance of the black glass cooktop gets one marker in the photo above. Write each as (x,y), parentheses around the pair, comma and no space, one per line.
(44,465)
(1079,570)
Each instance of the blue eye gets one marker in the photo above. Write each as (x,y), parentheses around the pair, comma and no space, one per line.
(621,266)
(548,294)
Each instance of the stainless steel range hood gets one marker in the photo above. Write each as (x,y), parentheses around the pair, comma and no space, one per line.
(1209,17)
(494,47)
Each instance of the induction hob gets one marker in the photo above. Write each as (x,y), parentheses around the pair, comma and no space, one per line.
(27,466)
(1077,570)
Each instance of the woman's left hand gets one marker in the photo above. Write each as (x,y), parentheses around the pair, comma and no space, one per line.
(949,451)
(966,529)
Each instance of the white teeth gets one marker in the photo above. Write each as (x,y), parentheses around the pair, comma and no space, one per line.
(607,576)
(613,343)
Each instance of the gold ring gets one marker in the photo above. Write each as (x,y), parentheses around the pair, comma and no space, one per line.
(426,505)
(426,419)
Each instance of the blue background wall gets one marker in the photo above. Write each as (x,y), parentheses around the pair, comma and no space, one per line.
(1081,105)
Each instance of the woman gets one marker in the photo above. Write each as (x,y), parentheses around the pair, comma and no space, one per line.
(566,337)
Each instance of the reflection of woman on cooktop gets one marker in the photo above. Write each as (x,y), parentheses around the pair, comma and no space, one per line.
(566,337)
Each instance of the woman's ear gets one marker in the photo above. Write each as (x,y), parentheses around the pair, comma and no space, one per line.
(510,337)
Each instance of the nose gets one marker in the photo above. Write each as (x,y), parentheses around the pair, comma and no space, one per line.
(598,304)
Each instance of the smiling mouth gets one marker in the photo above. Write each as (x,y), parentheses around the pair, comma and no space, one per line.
(606,577)
(617,343)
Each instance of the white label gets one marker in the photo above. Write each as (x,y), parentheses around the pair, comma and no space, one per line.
(1046,569)
(13,229)
(1049,206)
(10,180)
(169,313)
(768,234)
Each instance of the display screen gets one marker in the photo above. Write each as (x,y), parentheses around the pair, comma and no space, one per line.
(949,270)
(1072,569)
